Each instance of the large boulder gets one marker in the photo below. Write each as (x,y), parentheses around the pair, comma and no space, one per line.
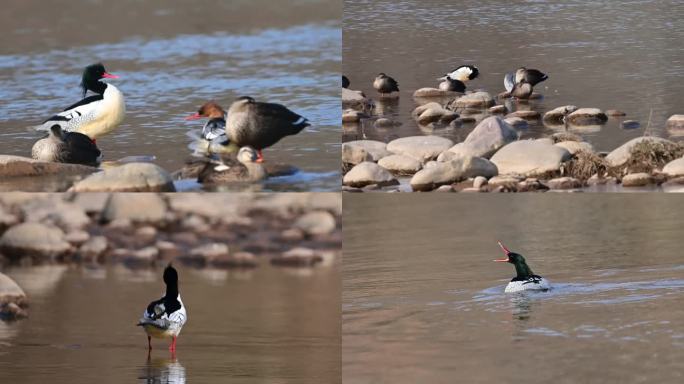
(140,207)
(674,167)
(421,148)
(368,173)
(459,168)
(587,116)
(34,240)
(491,134)
(530,158)
(621,154)
(132,177)
(576,146)
(358,151)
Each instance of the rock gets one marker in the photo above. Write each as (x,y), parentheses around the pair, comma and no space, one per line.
(517,122)
(316,223)
(544,140)
(195,223)
(506,181)
(433,92)
(637,180)
(167,250)
(93,248)
(358,151)
(449,172)
(421,148)
(384,122)
(34,240)
(297,257)
(531,185)
(147,233)
(419,110)
(430,116)
(527,115)
(564,183)
(471,190)
(236,260)
(433,112)
(621,154)
(13,166)
(91,202)
(58,212)
(556,115)
(210,251)
(77,237)
(292,235)
(400,164)
(575,146)
(559,137)
(11,292)
(487,137)
(138,207)
(530,158)
(675,125)
(140,258)
(132,177)
(498,109)
(587,116)
(630,124)
(465,120)
(7,219)
(674,167)
(355,99)
(351,116)
(615,112)
(479,182)
(368,173)
(474,100)
(445,188)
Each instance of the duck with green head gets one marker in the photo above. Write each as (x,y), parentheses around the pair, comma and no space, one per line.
(525,279)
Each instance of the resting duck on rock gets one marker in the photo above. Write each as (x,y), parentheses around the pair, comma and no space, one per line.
(66,147)
(385,84)
(243,168)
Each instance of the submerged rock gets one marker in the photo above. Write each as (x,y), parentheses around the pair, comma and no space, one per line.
(530,158)
(421,148)
(358,151)
(367,173)
(564,183)
(34,240)
(630,124)
(587,116)
(355,99)
(352,116)
(132,177)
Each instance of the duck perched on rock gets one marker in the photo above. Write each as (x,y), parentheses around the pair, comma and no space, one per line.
(464,73)
(452,85)
(385,84)
(521,83)
(66,147)
(243,168)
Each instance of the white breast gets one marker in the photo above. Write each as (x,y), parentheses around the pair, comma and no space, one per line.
(528,285)
(110,112)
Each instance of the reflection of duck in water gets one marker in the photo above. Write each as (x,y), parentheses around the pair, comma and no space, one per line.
(525,279)
(163,371)
(165,317)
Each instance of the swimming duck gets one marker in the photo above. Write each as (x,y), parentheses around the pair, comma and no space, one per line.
(260,125)
(521,83)
(165,317)
(243,168)
(452,85)
(464,73)
(94,115)
(345,82)
(66,147)
(385,84)
(525,280)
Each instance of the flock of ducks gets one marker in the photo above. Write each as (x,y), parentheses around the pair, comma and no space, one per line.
(240,134)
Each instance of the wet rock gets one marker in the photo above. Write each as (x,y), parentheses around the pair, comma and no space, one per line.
(506,181)
(91,203)
(527,115)
(674,167)
(368,173)
(517,122)
(433,92)
(132,177)
(498,109)
(531,185)
(675,125)
(10,292)
(465,120)
(637,180)
(356,152)
(34,240)
(587,116)
(236,260)
(559,137)
(316,223)
(297,257)
(355,99)
(421,148)
(564,183)
(556,115)
(205,254)
(615,112)
(575,146)
(55,211)
(140,258)
(630,124)
(138,207)
(352,116)
(77,237)
(595,179)
(11,166)
(622,154)
(452,171)
(400,164)
(384,122)
(530,158)
(433,112)
(93,248)
(474,100)
(487,137)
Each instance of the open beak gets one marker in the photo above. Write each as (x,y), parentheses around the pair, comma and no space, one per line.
(505,251)
(109,76)
(194,117)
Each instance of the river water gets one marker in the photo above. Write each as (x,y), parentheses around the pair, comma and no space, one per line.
(424,303)
(171,57)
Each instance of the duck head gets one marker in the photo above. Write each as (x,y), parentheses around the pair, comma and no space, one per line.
(521,268)
(247,155)
(92,75)
(210,109)
(56,132)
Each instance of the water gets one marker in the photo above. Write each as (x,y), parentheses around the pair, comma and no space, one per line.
(624,55)
(268,325)
(423,302)
(289,54)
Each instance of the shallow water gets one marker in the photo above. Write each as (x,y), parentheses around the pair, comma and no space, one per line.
(167,75)
(622,55)
(422,301)
(268,325)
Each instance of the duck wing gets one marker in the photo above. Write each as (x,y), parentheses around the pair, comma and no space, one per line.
(279,117)
(79,149)
(74,115)
(509,81)
(534,76)
(214,128)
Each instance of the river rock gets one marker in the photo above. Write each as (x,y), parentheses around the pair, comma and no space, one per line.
(530,158)
(384,122)
(354,99)
(138,207)
(132,177)
(400,164)
(556,115)
(367,173)
(12,299)
(675,125)
(527,115)
(11,166)
(61,213)
(564,183)
(517,122)
(621,154)
(358,151)
(316,223)
(587,116)
(474,100)
(433,92)
(91,202)
(487,137)
(34,240)
(452,171)
(77,237)
(297,257)
(351,116)
(498,109)
(479,182)
(630,124)
(637,180)
(674,167)
(421,148)
(575,146)
(93,248)
(508,182)
(615,112)
(235,260)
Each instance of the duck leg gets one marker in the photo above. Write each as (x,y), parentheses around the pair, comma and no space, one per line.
(149,343)
(172,348)
(260,156)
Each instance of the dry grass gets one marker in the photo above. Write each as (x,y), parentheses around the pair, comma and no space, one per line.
(649,155)
(565,136)
(584,165)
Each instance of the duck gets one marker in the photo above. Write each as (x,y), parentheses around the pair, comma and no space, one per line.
(215,128)
(66,147)
(463,73)
(164,318)
(243,168)
(452,85)
(385,84)
(260,125)
(525,279)
(345,82)
(521,83)
(96,115)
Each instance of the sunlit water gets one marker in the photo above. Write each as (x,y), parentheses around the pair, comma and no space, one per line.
(423,301)
(268,325)
(165,79)
(622,55)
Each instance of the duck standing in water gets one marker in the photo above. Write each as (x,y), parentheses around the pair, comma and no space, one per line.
(165,317)
(385,84)
(521,83)
(67,147)
(214,130)
(525,279)
(94,115)
(244,168)
(260,125)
